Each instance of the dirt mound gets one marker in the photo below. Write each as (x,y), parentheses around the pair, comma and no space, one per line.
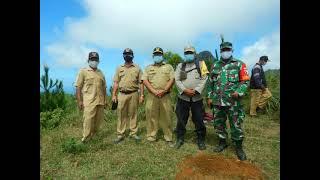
(209,166)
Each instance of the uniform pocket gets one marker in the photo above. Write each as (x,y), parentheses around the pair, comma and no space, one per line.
(151,74)
(135,76)
(214,77)
(233,76)
(102,82)
(121,74)
(89,84)
(197,75)
(166,75)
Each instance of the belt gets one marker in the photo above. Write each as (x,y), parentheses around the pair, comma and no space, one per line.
(128,92)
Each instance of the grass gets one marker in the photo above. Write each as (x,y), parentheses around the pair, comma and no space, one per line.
(101,159)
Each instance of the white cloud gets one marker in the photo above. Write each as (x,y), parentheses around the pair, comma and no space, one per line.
(69,55)
(144,24)
(268,45)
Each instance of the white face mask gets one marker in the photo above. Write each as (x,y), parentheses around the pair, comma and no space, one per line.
(93,64)
(226,54)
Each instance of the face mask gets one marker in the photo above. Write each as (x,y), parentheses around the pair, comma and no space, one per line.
(128,57)
(226,54)
(189,57)
(93,64)
(157,59)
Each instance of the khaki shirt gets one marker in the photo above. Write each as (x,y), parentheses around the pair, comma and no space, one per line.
(93,86)
(128,78)
(158,76)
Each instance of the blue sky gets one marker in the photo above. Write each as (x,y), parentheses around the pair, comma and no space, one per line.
(70,29)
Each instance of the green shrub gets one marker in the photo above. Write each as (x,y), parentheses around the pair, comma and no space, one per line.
(70,145)
(273,105)
(51,119)
(273,81)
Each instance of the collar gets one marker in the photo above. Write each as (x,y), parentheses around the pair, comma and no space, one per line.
(259,64)
(226,62)
(132,64)
(90,69)
(162,63)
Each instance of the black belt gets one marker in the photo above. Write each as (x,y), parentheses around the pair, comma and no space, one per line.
(128,92)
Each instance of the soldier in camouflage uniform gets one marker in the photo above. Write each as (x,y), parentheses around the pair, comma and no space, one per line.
(228,82)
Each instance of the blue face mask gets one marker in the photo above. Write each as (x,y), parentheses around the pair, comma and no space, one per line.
(189,57)
(157,59)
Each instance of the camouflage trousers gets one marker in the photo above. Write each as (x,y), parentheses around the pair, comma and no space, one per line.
(235,114)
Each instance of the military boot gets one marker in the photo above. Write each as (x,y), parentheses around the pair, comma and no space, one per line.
(222,145)
(200,141)
(201,145)
(261,110)
(239,151)
(179,143)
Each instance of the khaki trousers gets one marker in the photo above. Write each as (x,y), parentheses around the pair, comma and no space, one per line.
(127,112)
(92,117)
(158,113)
(258,99)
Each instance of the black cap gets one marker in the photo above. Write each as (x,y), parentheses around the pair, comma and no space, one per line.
(128,51)
(157,50)
(264,58)
(93,55)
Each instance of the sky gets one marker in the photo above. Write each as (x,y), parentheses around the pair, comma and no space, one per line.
(70,29)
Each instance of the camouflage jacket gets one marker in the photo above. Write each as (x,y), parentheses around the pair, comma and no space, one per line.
(225,79)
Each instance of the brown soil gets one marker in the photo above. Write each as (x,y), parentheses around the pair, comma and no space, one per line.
(209,166)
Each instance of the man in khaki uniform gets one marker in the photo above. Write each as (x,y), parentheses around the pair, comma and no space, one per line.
(91,96)
(158,78)
(259,92)
(128,80)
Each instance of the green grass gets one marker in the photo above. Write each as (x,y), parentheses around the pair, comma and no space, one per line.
(101,159)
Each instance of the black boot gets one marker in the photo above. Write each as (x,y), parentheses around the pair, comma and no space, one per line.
(200,141)
(261,111)
(239,151)
(201,145)
(179,143)
(222,145)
